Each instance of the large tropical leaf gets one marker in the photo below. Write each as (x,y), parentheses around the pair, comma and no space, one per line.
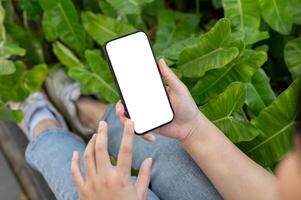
(19,85)
(219,110)
(173,51)
(98,65)
(215,81)
(92,82)
(60,20)
(278,14)
(276,125)
(242,13)
(126,7)
(103,28)
(245,18)
(66,56)
(93,78)
(7,49)
(211,52)
(296,6)
(174,27)
(292,56)
(32,44)
(250,35)
(259,92)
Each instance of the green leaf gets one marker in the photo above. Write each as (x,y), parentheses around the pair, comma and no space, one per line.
(98,65)
(259,92)
(96,78)
(17,86)
(2,29)
(153,9)
(126,7)
(292,56)
(66,56)
(245,18)
(296,6)
(215,81)
(242,13)
(33,44)
(276,125)
(92,5)
(174,27)
(102,28)
(60,20)
(7,49)
(219,110)
(12,87)
(173,51)
(277,14)
(35,77)
(92,82)
(211,52)
(251,36)
(10,115)
(107,9)
(31,8)
(10,49)
(6,67)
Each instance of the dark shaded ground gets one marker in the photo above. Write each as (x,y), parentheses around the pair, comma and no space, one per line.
(9,188)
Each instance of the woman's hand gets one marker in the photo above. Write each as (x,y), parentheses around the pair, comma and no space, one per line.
(105,181)
(187,114)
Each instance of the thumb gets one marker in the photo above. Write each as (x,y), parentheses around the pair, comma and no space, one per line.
(169,76)
(143,178)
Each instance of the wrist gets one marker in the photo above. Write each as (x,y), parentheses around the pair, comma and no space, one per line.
(198,126)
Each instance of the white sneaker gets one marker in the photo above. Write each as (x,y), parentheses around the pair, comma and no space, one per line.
(34,102)
(64,92)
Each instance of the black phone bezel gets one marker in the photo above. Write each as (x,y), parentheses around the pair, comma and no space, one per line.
(117,84)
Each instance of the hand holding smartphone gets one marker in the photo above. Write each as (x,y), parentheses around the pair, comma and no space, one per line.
(139,81)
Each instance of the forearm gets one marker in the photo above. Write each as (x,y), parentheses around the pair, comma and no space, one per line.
(233,174)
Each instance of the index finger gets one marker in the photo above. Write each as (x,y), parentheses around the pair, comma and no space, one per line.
(101,148)
(124,161)
(169,76)
(120,112)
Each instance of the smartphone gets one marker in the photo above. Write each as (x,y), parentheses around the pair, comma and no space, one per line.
(139,81)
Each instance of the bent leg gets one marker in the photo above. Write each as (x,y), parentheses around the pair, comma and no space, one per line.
(174,174)
(50,153)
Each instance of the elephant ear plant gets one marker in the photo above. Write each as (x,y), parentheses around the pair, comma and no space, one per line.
(240,59)
(16,80)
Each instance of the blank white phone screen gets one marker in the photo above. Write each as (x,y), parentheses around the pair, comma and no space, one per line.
(139,81)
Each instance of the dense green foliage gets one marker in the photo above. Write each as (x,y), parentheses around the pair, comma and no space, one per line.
(240,59)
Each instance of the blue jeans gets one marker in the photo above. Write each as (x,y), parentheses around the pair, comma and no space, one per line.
(174,174)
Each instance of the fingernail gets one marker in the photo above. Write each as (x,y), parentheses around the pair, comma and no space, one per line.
(74,154)
(150,161)
(152,138)
(100,125)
